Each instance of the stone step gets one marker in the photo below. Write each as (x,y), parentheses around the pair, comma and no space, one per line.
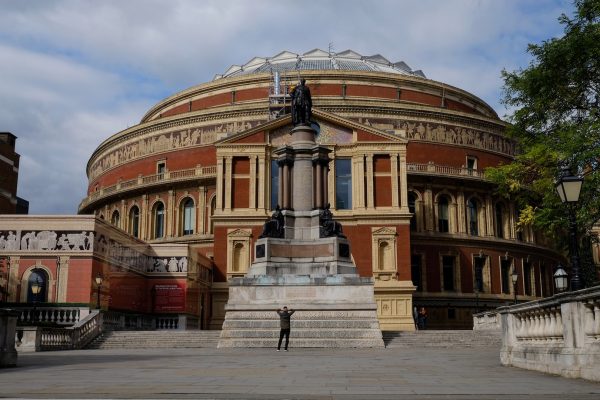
(304,333)
(445,339)
(303,343)
(300,324)
(156,339)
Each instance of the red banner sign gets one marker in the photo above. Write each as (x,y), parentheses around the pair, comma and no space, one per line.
(169,298)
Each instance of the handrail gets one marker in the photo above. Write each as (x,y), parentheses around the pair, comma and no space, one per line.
(167,176)
(76,337)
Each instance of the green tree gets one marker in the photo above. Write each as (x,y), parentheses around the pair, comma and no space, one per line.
(555,120)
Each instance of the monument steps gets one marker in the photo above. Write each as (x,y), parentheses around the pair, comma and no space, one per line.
(301,324)
(306,333)
(304,343)
(443,339)
(156,339)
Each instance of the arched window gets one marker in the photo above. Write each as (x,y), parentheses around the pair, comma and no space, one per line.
(188,214)
(115,218)
(38,278)
(159,220)
(443,225)
(499,220)
(412,200)
(134,221)
(472,217)
(385,256)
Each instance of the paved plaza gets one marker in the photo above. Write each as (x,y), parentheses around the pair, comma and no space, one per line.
(397,373)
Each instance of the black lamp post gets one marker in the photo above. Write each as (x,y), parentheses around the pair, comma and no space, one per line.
(36,287)
(568,188)
(515,278)
(99,280)
(561,279)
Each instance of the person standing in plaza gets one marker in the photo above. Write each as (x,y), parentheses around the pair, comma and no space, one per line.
(422,318)
(284,323)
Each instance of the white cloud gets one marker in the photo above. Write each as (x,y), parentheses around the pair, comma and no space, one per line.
(74,73)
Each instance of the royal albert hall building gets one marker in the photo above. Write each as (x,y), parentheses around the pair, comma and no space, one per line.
(406,181)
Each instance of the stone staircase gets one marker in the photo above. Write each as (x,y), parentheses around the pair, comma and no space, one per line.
(155,339)
(443,339)
(342,329)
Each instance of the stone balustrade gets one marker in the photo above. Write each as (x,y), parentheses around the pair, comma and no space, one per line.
(59,315)
(71,338)
(558,335)
(486,321)
(149,180)
(435,169)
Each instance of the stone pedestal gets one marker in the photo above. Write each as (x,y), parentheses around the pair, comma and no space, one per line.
(8,325)
(308,273)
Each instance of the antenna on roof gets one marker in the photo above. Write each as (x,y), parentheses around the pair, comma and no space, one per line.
(330,48)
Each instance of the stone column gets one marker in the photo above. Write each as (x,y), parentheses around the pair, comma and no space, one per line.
(201,217)
(403,182)
(302,173)
(286,186)
(325,184)
(228,181)
(124,216)
(489,216)
(63,278)
(220,183)
(460,212)
(252,183)
(144,218)
(370,186)
(13,279)
(395,183)
(170,220)
(512,231)
(279,184)
(359,185)
(319,185)
(428,209)
(261,182)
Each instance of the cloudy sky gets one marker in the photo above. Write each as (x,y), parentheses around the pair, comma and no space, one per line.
(73,73)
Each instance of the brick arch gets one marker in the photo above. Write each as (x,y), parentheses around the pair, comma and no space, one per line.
(25,283)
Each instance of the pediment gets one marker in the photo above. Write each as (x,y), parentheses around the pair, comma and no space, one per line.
(240,233)
(383,231)
(333,130)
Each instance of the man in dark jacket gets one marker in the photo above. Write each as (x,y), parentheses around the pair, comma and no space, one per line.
(284,322)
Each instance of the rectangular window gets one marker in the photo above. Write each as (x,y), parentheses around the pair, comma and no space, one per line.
(274,184)
(527,278)
(471,165)
(505,275)
(448,273)
(161,167)
(343,184)
(415,270)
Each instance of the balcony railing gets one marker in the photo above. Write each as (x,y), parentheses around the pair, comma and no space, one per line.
(435,169)
(149,180)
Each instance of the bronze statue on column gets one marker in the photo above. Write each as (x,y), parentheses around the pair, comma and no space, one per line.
(301,104)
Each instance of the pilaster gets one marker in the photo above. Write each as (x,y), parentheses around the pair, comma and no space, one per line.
(370,177)
(460,208)
(262,193)
(201,210)
(395,185)
(428,209)
(489,216)
(403,183)
(252,183)
(62,278)
(228,182)
(13,278)
(220,184)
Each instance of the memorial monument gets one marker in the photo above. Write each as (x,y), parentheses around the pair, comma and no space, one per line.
(302,260)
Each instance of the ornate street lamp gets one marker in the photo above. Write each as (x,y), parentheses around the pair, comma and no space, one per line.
(99,280)
(568,188)
(36,287)
(561,279)
(515,278)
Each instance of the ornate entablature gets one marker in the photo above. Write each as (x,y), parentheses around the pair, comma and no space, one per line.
(445,133)
(164,142)
(46,240)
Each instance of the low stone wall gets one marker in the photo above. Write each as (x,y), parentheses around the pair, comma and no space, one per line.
(558,335)
(8,325)
(486,321)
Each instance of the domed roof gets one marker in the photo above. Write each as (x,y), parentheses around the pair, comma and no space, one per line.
(319,60)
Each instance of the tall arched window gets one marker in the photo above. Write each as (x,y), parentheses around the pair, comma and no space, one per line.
(134,221)
(472,217)
(115,218)
(443,225)
(39,278)
(412,200)
(499,220)
(159,220)
(188,214)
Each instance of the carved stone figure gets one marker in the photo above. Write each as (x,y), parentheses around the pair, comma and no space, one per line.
(274,227)
(329,227)
(182,264)
(301,104)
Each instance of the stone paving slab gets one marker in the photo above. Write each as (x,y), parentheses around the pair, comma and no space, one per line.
(315,374)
